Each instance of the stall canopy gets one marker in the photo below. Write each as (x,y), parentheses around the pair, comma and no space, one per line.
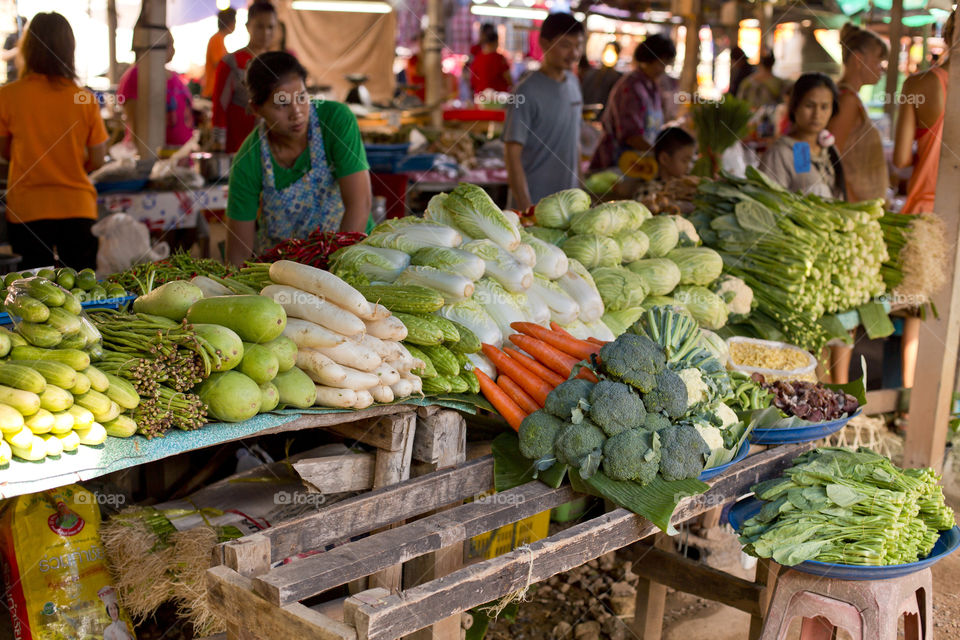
(186,11)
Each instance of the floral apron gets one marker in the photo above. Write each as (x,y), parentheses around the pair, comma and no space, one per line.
(312,202)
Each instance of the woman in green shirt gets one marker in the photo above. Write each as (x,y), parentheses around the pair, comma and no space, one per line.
(303,168)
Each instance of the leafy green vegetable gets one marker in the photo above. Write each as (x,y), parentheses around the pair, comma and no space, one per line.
(663,235)
(620,288)
(661,275)
(551,260)
(556,210)
(593,251)
(705,306)
(478,216)
(379,265)
(606,219)
(450,260)
(698,265)
(633,244)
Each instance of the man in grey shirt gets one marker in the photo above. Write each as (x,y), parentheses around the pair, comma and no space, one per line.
(542,132)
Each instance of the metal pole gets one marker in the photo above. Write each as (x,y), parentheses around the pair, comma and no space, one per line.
(893,65)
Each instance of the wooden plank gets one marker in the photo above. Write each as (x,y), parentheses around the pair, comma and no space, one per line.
(393,467)
(233,599)
(313,575)
(437,435)
(379,508)
(387,432)
(337,474)
(329,420)
(418,607)
(766,579)
(651,599)
(249,556)
(882,401)
(893,64)
(932,394)
(680,573)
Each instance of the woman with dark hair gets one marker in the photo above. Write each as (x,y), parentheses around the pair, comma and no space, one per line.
(303,168)
(634,113)
(52,134)
(232,120)
(805,160)
(762,88)
(858,140)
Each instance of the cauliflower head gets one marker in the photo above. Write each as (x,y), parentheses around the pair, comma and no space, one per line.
(736,294)
(697,389)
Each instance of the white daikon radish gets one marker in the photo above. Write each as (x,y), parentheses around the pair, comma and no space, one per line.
(364,400)
(388,375)
(415,363)
(402,366)
(354,355)
(211,288)
(389,328)
(337,398)
(310,335)
(322,283)
(387,350)
(359,380)
(402,388)
(380,312)
(416,382)
(382,393)
(320,368)
(306,306)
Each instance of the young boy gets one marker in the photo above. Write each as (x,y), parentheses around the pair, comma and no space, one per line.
(674,150)
(542,132)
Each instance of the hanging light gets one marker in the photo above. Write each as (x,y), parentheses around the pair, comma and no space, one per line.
(223,4)
(610,55)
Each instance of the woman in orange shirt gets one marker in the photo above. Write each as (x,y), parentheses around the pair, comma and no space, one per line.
(216,48)
(52,134)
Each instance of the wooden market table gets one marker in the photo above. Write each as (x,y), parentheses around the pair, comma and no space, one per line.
(264,602)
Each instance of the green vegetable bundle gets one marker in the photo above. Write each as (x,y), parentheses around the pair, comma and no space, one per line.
(917,252)
(847,507)
(719,125)
(803,256)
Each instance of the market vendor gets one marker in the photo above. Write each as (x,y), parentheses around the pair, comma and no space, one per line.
(303,168)
(232,119)
(52,135)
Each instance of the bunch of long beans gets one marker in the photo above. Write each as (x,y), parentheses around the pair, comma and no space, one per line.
(164,360)
(142,278)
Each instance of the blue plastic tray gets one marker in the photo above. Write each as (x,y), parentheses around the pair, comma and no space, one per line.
(947,544)
(744,451)
(807,433)
(109,303)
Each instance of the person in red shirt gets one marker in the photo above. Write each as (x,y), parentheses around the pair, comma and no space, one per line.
(232,119)
(489,69)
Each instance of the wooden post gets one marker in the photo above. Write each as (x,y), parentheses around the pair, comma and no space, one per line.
(113,72)
(651,599)
(150,41)
(691,51)
(893,65)
(766,578)
(433,45)
(932,394)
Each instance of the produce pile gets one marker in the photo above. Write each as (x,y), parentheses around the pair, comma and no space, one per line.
(82,284)
(847,507)
(676,197)
(659,407)
(917,252)
(470,263)
(52,399)
(808,400)
(638,261)
(314,250)
(143,278)
(719,125)
(803,256)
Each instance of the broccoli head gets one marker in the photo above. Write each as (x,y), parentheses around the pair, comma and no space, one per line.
(538,432)
(634,359)
(616,407)
(656,421)
(633,454)
(683,453)
(580,446)
(668,396)
(564,398)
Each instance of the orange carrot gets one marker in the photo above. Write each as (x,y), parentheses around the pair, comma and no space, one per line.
(555,327)
(536,388)
(596,341)
(552,358)
(516,393)
(535,367)
(506,407)
(579,349)
(586,374)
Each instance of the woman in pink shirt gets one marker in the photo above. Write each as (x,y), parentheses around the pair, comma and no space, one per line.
(179,102)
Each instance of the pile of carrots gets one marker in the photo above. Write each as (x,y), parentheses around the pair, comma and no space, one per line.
(526,378)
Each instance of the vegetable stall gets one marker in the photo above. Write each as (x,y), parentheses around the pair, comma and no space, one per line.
(617,353)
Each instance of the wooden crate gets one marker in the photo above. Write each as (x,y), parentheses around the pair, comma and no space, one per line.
(265,603)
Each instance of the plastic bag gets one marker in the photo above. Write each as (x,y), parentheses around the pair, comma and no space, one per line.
(55,573)
(48,316)
(124,242)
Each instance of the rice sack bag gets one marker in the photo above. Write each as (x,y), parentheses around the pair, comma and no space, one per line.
(55,574)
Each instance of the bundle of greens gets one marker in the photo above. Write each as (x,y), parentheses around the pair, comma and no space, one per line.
(802,256)
(847,507)
(719,125)
(917,253)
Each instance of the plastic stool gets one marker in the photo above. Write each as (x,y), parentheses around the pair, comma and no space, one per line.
(868,610)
